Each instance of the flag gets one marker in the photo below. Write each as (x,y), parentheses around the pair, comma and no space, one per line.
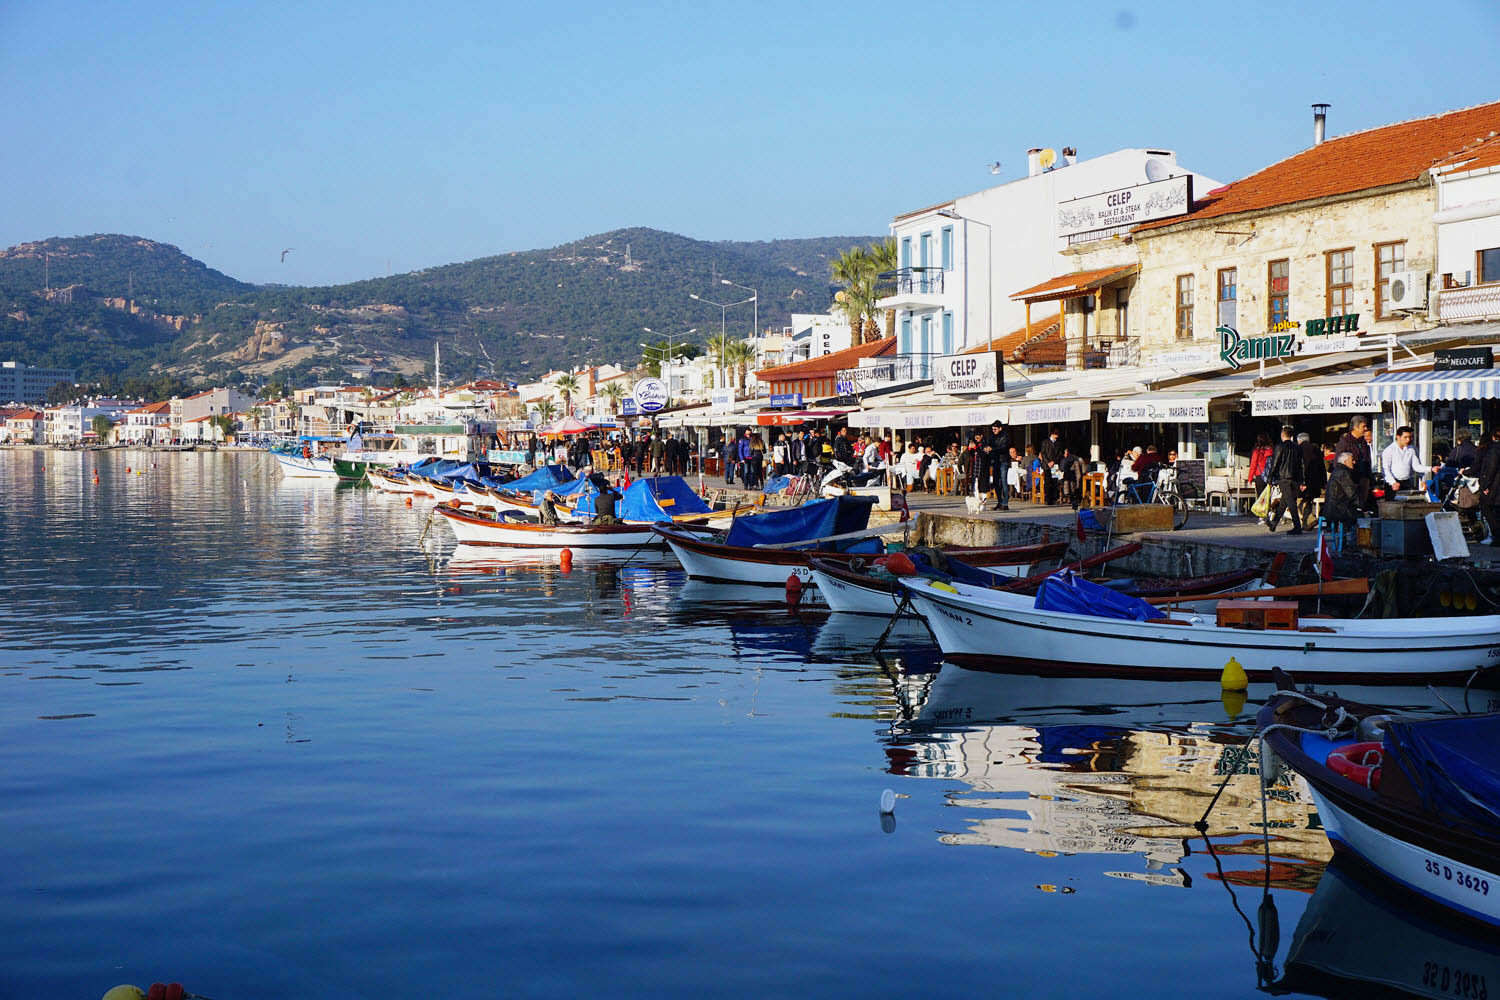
(1325,559)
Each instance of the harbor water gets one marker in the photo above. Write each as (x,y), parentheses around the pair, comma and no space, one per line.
(276,738)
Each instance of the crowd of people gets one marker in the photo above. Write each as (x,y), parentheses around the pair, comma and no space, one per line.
(1297,471)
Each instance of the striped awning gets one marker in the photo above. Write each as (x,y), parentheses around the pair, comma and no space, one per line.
(1406,387)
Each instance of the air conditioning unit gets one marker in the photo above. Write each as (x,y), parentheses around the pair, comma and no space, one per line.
(1409,290)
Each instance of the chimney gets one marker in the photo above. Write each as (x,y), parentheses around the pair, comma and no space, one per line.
(1033,162)
(1070,156)
(1320,122)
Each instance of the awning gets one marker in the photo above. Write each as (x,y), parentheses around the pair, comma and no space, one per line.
(1048,411)
(926,417)
(799,417)
(1074,285)
(1406,387)
(1159,408)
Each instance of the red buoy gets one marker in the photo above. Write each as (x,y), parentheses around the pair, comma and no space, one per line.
(566,559)
(793,589)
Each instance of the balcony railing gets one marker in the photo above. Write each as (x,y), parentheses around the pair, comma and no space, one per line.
(1474,302)
(909,281)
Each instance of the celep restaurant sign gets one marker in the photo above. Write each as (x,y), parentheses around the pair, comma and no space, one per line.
(1126,207)
(968,374)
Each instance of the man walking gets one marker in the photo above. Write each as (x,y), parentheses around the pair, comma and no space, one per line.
(1286,471)
(1489,484)
(997,452)
(1314,473)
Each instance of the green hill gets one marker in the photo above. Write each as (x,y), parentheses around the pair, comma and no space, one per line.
(68,302)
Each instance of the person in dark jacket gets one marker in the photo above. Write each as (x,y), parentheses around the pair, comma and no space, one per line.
(1286,471)
(1489,484)
(1314,473)
(1341,500)
(997,456)
(1356,441)
(1050,453)
(843,450)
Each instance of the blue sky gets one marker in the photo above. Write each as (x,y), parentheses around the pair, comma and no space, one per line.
(378,136)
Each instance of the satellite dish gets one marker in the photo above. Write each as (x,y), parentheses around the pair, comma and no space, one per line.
(1156,170)
(1048,157)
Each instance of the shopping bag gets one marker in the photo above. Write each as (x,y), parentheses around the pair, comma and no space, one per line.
(1262,505)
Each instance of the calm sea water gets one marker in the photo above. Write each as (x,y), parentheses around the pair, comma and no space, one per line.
(262,737)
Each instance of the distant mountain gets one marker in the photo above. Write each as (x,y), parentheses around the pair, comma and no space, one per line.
(124,305)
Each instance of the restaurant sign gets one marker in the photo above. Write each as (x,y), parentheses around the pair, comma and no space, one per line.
(792,399)
(1462,359)
(1282,341)
(1315,399)
(1063,411)
(650,394)
(1159,410)
(968,374)
(1126,207)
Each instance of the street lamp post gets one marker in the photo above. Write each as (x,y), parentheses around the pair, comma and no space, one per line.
(723,312)
(666,361)
(989,266)
(754,297)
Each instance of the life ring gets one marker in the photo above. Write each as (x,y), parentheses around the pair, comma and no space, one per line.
(1359,762)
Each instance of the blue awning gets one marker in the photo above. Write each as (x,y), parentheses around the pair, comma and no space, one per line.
(1406,387)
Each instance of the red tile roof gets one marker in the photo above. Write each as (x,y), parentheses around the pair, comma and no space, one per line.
(162,407)
(1377,157)
(1484,153)
(828,364)
(1066,286)
(25,415)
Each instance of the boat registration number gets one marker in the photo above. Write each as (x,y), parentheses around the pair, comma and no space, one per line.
(1458,876)
(1458,982)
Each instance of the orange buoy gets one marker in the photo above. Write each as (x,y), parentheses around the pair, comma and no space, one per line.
(565,557)
(408,501)
(793,590)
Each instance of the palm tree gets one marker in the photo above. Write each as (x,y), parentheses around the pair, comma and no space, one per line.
(614,392)
(852,270)
(567,385)
(739,355)
(719,345)
(546,410)
(884,259)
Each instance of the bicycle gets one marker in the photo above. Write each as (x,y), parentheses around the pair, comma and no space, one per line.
(1163,489)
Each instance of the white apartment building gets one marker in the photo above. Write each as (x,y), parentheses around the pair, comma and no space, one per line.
(962,260)
(70,424)
(22,383)
(146,425)
(209,403)
(1468,234)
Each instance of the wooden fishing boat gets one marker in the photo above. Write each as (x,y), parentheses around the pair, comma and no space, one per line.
(851,588)
(1415,799)
(977,626)
(478,529)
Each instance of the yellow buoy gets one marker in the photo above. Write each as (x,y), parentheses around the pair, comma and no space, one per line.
(1445,598)
(1471,601)
(125,992)
(1233,701)
(1233,678)
(940,585)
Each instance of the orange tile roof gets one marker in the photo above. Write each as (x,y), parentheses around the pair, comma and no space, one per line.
(162,407)
(1377,157)
(923,211)
(25,415)
(828,364)
(1484,153)
(1078,283)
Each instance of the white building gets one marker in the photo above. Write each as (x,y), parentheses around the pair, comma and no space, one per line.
(20,383)
(1468,234)
(146,425)
(71,424)
(961,260)
(209,403)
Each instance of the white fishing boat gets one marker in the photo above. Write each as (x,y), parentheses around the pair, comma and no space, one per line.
(298,467)
(478,529)
(976,626)
(852,589)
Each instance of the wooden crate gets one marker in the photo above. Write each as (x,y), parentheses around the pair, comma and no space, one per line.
(1405,510)
(1141,517)
(1258,614)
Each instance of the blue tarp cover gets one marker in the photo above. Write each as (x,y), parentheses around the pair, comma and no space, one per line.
(544,478)
(818,519)
(643,500)
(1068,592)
(777,485)
(1452,763)
(464,471)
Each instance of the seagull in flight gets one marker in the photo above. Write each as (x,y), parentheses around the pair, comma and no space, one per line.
(285,252)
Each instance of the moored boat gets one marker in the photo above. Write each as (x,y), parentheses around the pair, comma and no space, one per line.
(301,467)
(977,626)
(478,529)
(853,589)
(1415,799)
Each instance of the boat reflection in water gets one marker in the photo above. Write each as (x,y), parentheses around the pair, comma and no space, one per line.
(1356,939)
(1102,767)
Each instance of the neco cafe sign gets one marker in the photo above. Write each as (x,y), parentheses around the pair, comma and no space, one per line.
(1317,336)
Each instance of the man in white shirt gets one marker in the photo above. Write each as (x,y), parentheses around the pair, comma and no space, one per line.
(1400,465)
